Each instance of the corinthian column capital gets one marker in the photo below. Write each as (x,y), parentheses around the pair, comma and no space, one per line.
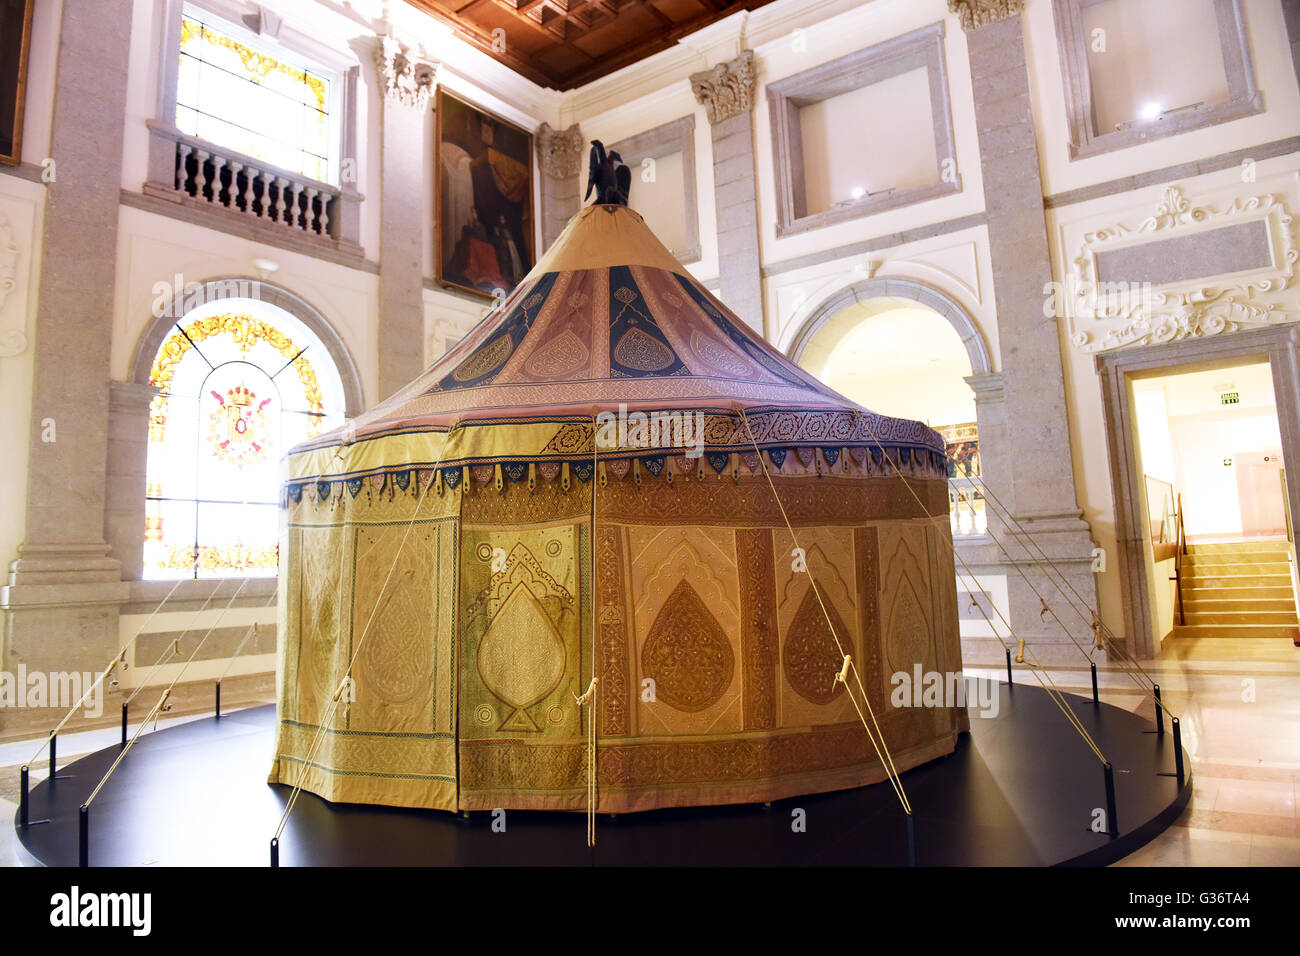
(978,13)
(727,90)
(403,78)
(559,152)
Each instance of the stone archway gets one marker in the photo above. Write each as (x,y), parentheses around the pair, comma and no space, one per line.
(983,380)
(980,362)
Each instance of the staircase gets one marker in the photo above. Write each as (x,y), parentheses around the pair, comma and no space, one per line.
(1238,589)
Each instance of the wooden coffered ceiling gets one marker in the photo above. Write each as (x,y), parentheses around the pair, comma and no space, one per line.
(566,43)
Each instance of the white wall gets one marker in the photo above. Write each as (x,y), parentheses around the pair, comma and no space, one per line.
(1274,75)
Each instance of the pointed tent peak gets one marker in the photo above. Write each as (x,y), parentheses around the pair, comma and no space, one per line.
(604,236)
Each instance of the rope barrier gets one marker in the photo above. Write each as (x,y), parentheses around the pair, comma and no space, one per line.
(1129,664)
(1036,668)
(120,658)
(161,706)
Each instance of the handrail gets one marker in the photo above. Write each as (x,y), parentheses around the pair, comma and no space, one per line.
(1180,550)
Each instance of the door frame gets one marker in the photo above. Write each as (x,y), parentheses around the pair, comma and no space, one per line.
(1279,345)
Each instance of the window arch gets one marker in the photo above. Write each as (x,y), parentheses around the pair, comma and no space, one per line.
(240,382)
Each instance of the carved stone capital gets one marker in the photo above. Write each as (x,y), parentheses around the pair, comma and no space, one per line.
(978,13)
(404,79)
(559,152)
(727,90)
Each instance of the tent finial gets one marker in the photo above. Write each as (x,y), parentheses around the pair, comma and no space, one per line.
(608,175)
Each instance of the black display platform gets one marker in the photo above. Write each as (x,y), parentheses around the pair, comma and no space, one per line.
(1020,789)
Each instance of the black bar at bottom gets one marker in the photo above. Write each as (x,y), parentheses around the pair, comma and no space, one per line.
(83,836)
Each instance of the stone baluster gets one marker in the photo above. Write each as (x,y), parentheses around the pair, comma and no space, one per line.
(325,215)
(217,186)
(280,204)
(183,151)
(234,192)
(251,175)
(309,219)
(200,178)
(294,201)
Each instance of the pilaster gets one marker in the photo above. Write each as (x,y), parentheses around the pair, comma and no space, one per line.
(727,94)
(64,590)
(406,85)
(1035,482)
(559,160)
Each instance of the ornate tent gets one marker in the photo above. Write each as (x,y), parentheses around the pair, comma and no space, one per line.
(479,545)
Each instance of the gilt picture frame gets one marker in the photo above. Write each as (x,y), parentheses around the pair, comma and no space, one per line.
(484,225)
(15,45)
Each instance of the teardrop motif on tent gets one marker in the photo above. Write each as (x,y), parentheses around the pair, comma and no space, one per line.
(521,657)
(562,356)
(486,360)
(908,634)
(810,658)
(638,351)
(719,359)
(687,653)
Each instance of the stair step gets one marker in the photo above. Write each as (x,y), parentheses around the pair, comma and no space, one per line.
(1236,617)
(1237,567)
(1235,605)
(1237,580)
(1228,547)
(1239,592)
(1235,630)
(1230,560)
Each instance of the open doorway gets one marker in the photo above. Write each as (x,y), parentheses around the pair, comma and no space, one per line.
(1217,547)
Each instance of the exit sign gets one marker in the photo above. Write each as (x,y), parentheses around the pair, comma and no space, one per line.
(1229,398)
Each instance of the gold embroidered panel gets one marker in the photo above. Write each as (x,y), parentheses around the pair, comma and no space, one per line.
(715,658)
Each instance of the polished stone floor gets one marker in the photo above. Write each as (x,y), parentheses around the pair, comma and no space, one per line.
(1238,701)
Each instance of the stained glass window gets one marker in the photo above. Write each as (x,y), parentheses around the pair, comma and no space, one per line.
(239,384)
(260,103)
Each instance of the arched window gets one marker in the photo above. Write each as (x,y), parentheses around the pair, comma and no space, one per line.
(240,383)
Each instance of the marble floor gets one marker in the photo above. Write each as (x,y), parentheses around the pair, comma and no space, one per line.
(1238,701)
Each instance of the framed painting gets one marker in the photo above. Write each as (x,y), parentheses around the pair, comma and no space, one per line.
(484,173)
(15,38)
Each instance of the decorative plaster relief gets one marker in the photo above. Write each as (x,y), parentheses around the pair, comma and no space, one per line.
(1104,316)
(12,341)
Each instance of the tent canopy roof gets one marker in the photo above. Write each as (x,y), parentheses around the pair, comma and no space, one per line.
(606,321)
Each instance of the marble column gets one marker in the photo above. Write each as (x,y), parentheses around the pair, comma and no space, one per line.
(1039,490)
(405,86)
(128,453)
(727,94)
(559,159)
(64,590)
